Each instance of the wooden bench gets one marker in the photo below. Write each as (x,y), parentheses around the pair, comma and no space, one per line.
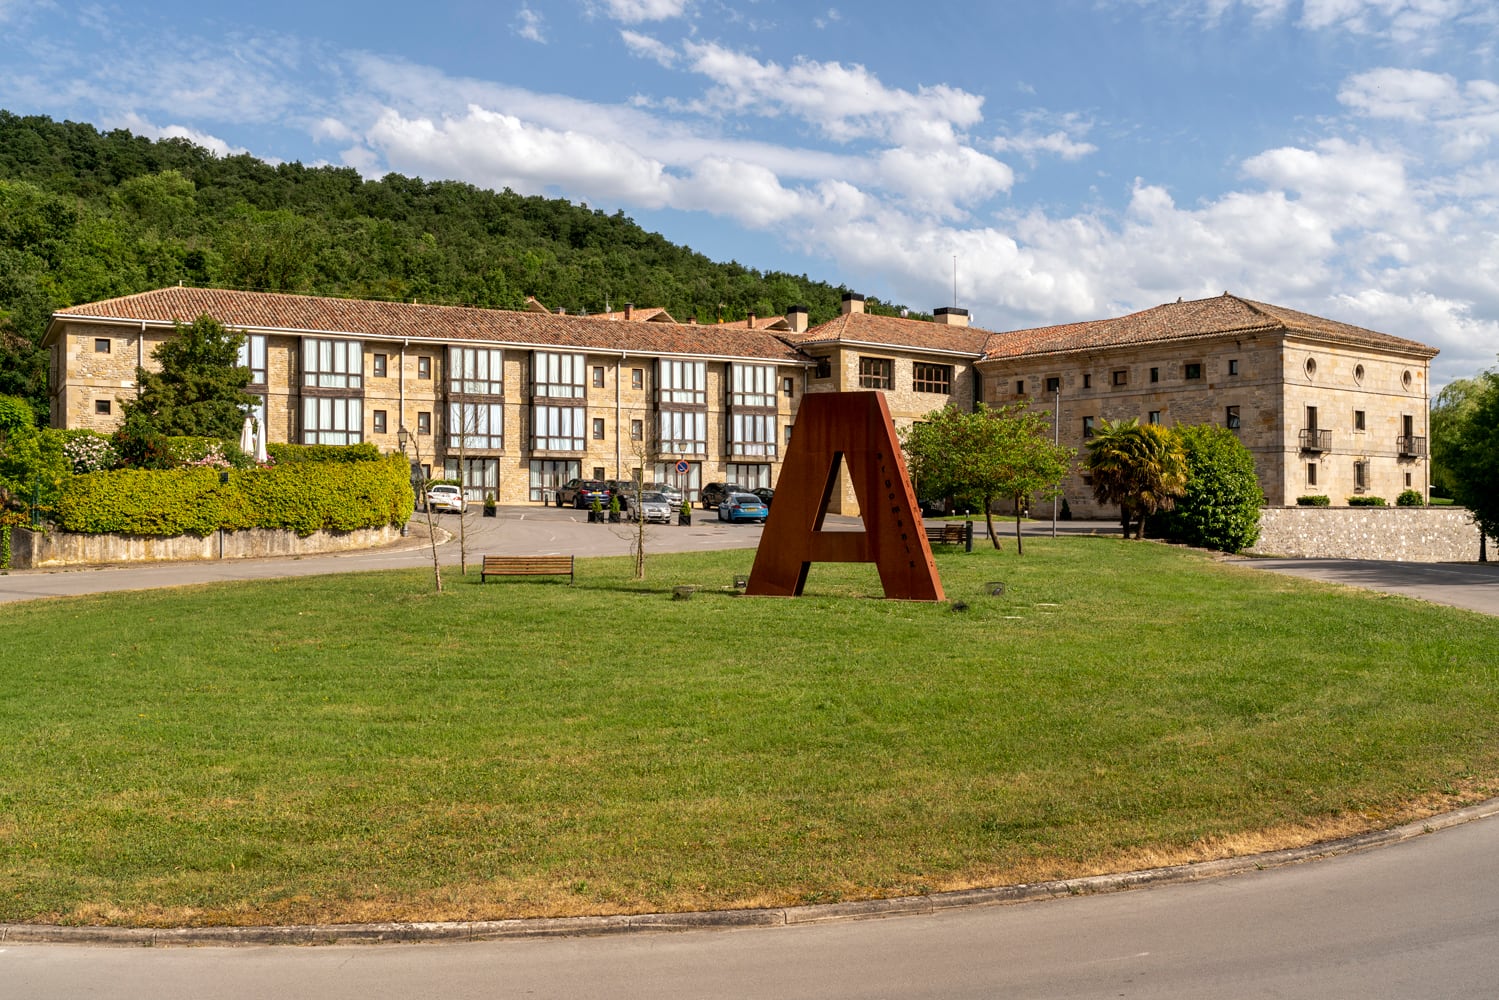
(527,566)
(944,532)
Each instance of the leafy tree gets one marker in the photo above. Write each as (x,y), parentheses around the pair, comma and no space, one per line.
(1220,508)
(199,389)
(1473,460)
(986,455)
(1140,467)
(1449,410)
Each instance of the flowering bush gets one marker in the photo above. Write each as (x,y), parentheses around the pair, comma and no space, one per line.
(89,451)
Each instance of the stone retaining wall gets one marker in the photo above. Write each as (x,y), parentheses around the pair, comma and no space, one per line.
(1402,534)
(39,550)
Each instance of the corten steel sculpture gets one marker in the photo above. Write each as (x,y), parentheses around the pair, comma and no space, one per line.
(835,428)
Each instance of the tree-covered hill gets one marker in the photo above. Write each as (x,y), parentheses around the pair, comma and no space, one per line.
(86,215)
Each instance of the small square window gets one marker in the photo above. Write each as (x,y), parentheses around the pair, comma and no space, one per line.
(1053,383)
(598,472)
(1192,370)
(1231,418)
(379,418)
(423,367)
(637,430)
(1087,381)
(424,423)
(598,426)
(379,366)
(1155,374)
(101,406)
(598,376)
(1358,420)
(101,345)
(788,387)
(1120,376)
(1154,417)
(1020,387)
(824,368)
(637,378)
(1233,366)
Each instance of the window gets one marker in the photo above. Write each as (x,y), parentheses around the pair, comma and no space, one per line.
(1406,379)
(332,420)
(1192,370)
(1231,418)
(788,387)
(1053,383)
(637,430)
(876,373)
(1311,418)
(637,378)
(752,477)
(752,434)
(1358,374)
(752,385)
(1120,376)
(252,356)
(477,371)
(1311,473)
(824,369)
(788,433)
(557,376)
(689,482)
(682,382)
(598,427)
(478,475)
(332,364)
(1233,366)
(1087,427)
(548,474)
(379,366)
(424,423)
(101,407)
(1020,387)
(423,366)
(1087,381)
(684,432)
(1358,420)
(1407,480)
(1311,367)
(598,472)
(557,428)
(482,426)
(101,345)
(379,418)
(1360,475)
(1154,417)
(598,376)
(1155,374)
(931,378)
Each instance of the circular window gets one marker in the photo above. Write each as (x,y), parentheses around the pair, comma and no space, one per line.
(1406,379)
(1311,367)
(1358,374)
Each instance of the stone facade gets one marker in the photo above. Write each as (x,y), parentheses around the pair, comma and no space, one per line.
(1401,534)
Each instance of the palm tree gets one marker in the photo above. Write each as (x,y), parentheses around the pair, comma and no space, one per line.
(1141,467)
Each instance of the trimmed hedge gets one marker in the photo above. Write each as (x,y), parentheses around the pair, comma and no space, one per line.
(362,452)
(1318,500)
(1366,501)
(297,496)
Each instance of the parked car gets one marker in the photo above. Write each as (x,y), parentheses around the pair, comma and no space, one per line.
(671,493)
(445,496)
(716,493)
(581,493)
(766,494)
(742,507)
(653,508)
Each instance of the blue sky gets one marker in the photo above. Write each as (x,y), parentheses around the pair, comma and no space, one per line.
(1078,158)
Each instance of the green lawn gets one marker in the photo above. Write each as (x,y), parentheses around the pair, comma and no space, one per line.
(358,747)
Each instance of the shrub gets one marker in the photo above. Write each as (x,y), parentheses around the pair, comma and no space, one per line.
(362,452)
(1319,500)
(1366,501)
(1221,506)
(88,451)
(1410,498)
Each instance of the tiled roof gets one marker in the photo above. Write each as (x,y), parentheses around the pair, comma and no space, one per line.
(1222,314)
(892,331)
(271,312)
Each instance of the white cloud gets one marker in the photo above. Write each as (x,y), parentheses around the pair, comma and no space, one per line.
(940,181)
(212,143)
(740,190)
(1467,115)
(647,47)
(530,25)
(1029,144)
(636,11)
(831,17)
(1422,23)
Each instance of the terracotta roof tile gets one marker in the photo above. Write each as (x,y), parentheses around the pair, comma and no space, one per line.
(267,311)
(892,331)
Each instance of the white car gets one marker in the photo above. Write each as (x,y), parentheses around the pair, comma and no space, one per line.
(444,496)
(653,507)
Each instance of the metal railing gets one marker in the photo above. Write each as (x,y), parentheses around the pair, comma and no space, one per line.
(1408,446)
(1316,439)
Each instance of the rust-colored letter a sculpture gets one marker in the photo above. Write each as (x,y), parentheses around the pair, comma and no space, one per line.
(851,427)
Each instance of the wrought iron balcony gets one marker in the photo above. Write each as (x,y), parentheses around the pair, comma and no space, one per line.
(1407,446)
(1315,439)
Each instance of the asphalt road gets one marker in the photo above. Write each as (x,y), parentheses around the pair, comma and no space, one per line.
(1419,919)
(1474,586)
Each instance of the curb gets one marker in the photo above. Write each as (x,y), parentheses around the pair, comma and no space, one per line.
(546,927)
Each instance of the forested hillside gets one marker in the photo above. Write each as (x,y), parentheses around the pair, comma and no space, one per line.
(86,215)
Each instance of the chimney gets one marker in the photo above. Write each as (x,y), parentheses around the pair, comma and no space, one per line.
(561,310)
(751,322)
(692,320)
(852,303)
(796,318)
(950,316)
(629,311)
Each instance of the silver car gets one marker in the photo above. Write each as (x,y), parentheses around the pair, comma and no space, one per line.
(653,508)
(445,497)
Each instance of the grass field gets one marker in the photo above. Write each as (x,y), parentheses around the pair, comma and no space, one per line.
(360,748)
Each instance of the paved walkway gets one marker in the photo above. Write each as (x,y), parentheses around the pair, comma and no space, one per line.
(1474,586)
